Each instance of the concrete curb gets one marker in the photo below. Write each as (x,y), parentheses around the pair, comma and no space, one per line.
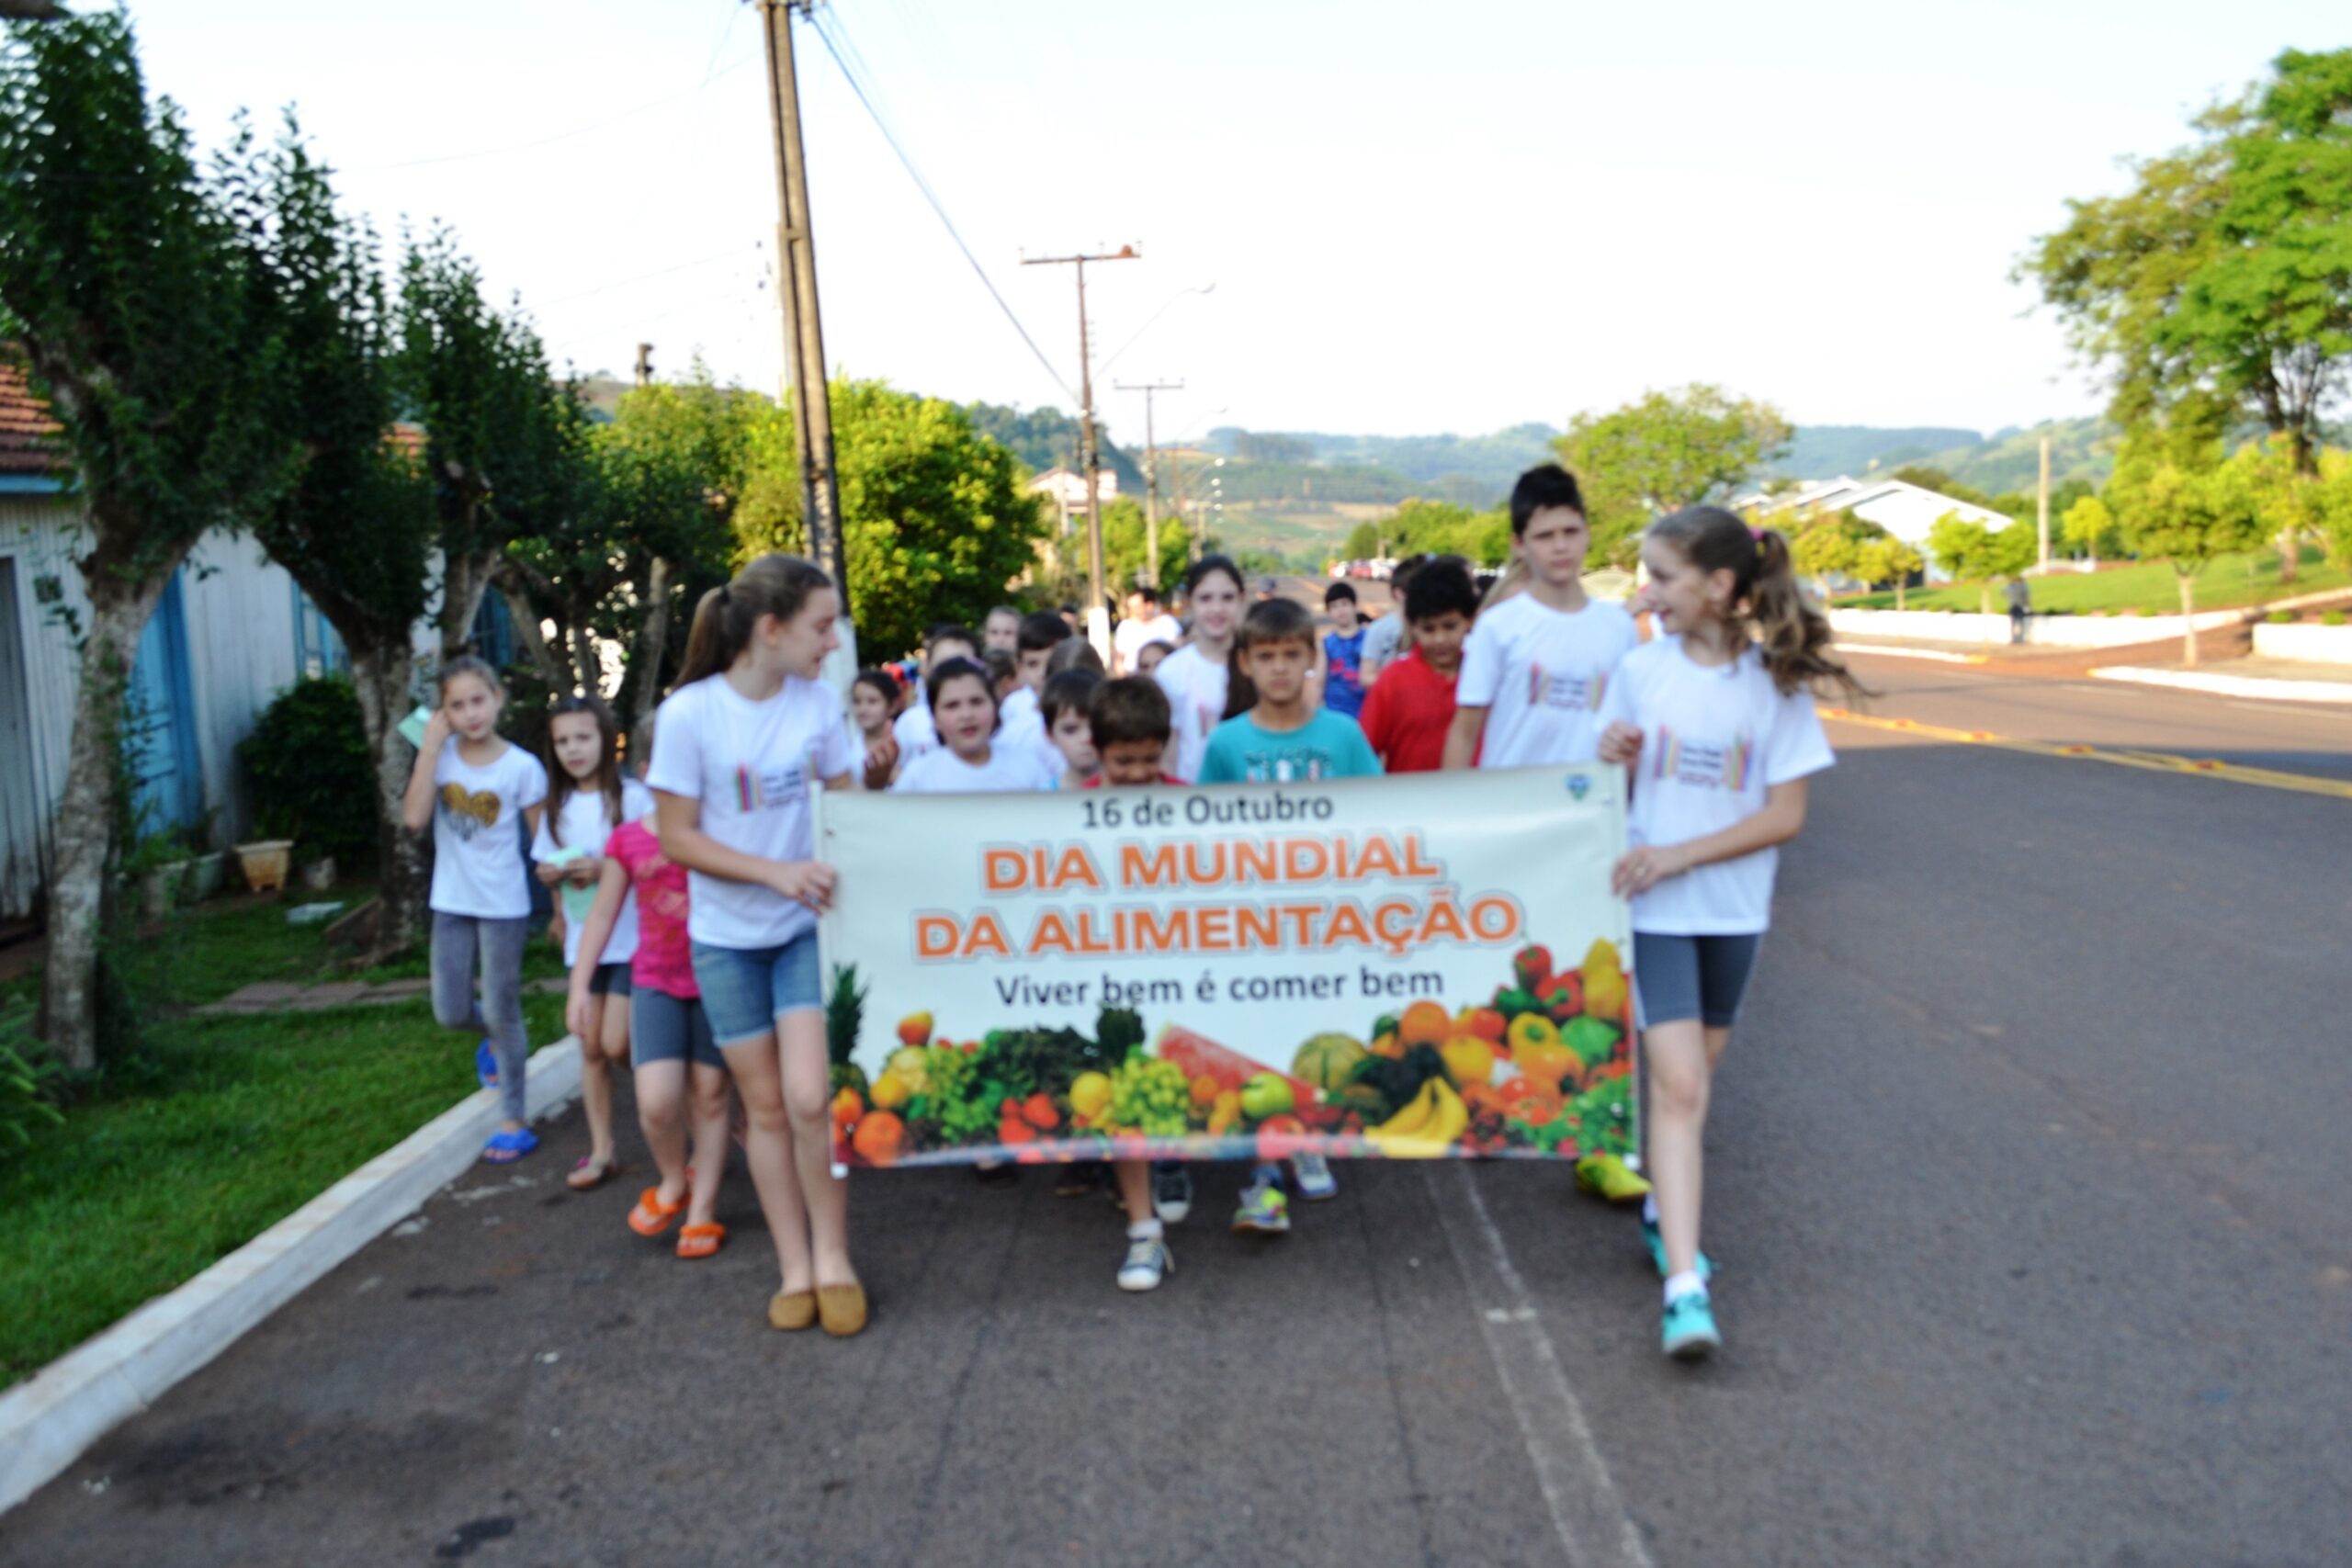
(2232,685)
(50,1419)
(1889,650)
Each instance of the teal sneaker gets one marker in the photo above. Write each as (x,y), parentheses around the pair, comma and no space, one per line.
(1266,1209)
(1657,1253)
(1691,1334)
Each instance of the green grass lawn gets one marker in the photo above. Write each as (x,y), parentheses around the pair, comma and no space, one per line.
(222,1127)
(2228,583)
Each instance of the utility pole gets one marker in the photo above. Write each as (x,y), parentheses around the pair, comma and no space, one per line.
(1089,459)
(2041,505)
(1150,475)
(645,365)
(804,336)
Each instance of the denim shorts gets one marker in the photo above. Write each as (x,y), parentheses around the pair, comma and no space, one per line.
(609,980)
(745,991)
(664,1028)
(1692,976)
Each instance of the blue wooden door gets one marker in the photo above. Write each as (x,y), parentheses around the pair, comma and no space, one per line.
(159,730)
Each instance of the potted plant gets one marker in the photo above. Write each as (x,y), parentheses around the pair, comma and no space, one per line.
(263,862)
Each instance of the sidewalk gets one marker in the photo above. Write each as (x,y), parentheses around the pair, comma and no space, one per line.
(279,996)
(2265,680)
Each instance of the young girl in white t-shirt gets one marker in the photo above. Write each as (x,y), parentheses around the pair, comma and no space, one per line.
(964,711)
(471,787)
(1195,676)
(1715,718)
(747,734)
(587,798)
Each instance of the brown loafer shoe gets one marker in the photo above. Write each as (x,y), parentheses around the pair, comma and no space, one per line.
(791,1310)
(842,1309)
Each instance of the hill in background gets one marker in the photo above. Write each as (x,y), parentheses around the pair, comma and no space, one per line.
(2005,461)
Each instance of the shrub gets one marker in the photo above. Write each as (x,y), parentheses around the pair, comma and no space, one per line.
(2333,618)
(2282,617)
(28,1081)
(312,779)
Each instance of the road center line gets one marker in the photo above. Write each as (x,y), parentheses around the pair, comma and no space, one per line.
(2156,761)
(1586,1512)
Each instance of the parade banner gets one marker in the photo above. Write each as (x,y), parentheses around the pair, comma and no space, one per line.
(1412,967)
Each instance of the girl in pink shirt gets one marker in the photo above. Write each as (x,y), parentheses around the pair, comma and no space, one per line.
(681,1075)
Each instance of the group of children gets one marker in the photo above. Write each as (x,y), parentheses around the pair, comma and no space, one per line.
(705,886)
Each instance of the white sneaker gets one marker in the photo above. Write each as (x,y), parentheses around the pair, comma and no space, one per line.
(1148,1262)
(1313,1176)
(1172,1191)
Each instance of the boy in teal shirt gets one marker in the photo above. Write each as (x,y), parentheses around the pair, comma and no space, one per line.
(1274,737)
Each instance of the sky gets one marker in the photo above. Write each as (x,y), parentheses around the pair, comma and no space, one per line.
(1408,219)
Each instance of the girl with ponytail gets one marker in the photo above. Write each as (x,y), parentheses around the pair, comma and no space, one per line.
(746,735)
(1714,717)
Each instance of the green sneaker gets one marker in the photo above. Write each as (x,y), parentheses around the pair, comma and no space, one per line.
(1690,1334)
(1657,1253)
(1609,1177)
(1266,1209)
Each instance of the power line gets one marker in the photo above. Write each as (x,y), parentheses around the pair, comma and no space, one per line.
(640,277)
(827,22)
(547,140)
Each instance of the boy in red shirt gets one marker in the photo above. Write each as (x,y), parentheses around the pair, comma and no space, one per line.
(1411,706)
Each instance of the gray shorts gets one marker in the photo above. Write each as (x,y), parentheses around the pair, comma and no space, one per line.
(609,980)
(1692,976)
(664,1028)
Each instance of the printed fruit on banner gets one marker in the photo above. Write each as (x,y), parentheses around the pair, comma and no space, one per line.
(1327,1060)
(1604,980)
(1090,1093)
(1225,1113)
(1486,1023)
(1533,966)
(1427,1128)
(891,1091)
(1468,1060)
(847,1108)
(1532,1029)
(1267,1094)
(880,1136)
(911,1062)
(1423,1023)
(1205,1090)
(1593,1041)
(1195,1054)
(1562,995)
(915,1028)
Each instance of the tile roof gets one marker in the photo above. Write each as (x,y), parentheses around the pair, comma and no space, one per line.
(26,428)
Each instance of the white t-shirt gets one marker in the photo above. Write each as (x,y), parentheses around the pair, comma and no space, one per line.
(751,765)
(914,731)
(477,866)
(584,826)
(1381,640)
(1713,741)
(1133,637)
(943,773)
(1195,687)
(1541,674)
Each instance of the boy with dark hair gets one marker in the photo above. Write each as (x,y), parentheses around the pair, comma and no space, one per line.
(1343,652)
(1066,708)
(1129,722)
(1409,710)
(1018,724)
(1003,630)
(1144,624)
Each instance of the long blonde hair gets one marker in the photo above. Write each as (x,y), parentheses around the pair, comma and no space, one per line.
(1767,603)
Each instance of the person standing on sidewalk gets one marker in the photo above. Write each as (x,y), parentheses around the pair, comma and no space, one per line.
(2020,596)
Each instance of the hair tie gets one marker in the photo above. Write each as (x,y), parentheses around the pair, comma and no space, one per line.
(727,593)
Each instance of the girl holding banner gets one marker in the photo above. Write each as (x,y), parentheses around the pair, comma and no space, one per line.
(746,731)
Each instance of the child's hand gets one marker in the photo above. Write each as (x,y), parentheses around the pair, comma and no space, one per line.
(881,760)
(576,1010)
(549,873)
(555,926)
(1645,866)
(808,882)
(1621,743)
(437,731)
(584,870)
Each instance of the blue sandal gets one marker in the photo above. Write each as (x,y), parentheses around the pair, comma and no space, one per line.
(506,1148)
(486,1064)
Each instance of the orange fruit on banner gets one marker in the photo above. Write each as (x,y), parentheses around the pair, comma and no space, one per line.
(1423,1023)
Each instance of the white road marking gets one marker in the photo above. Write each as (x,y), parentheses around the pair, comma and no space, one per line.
(1588,1514)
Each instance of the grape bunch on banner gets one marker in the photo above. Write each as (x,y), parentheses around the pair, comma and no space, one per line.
(1414,967)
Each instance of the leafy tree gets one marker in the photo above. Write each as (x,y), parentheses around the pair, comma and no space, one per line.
(1668,450)
(356,528)
(1888,559)
(1253,448)
(934,514)
(1125,532)
(2331,506)
(2088,526)
(1363,543)
(2012,550)
(132,288)
(2178,501)
(1824,546)
(1964,548)
(2224,277)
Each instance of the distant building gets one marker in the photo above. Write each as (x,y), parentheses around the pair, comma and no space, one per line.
(1904,510)
(1067,491)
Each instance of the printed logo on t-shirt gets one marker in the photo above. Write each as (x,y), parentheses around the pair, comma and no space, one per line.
(468,811)
(1294,765)
(769,789)
(1208,716)
(1565,689)
(1706,764)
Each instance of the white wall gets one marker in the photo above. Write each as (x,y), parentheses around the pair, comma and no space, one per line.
(2303,640)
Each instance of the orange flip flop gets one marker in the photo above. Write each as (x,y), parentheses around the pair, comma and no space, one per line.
(652,1216)
(701,1241)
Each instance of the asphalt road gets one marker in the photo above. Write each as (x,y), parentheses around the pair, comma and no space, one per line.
(2026,1174)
